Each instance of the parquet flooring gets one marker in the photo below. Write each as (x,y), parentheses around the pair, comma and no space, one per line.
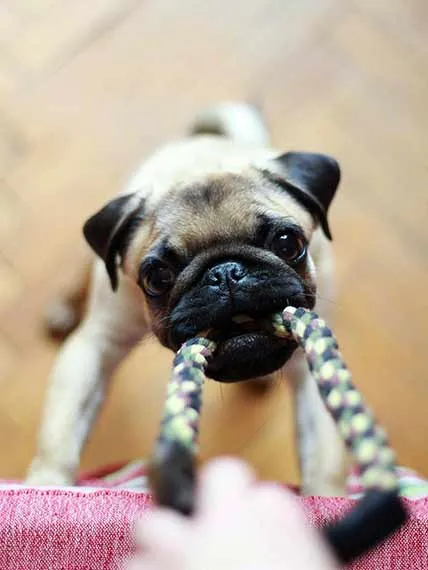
(88,88)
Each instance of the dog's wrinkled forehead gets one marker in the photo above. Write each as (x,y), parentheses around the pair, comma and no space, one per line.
(222,207)
(217,208)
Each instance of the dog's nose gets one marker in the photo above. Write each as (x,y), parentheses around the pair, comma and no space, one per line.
(227,273)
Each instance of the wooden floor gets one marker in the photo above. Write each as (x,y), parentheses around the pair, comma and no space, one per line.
(88,88)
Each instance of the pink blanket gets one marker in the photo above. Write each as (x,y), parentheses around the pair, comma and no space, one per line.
(91,528)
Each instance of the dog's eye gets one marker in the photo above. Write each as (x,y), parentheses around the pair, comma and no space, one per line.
(156,278)
(290,247)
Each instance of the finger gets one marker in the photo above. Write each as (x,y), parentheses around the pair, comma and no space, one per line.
(291,527)
(161,529)
(277,504)
(221,482)
(281,510)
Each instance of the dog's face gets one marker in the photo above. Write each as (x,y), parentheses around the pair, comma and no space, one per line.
(223,253)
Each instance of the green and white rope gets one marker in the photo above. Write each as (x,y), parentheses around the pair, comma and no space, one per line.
(364,438)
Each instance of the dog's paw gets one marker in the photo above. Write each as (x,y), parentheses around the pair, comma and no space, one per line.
(40,475)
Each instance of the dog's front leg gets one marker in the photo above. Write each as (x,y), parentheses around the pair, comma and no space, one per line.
(113,325)
(322,455)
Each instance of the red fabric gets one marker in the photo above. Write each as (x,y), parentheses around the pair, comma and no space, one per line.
(68,530)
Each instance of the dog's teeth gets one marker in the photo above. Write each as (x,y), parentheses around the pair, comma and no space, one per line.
(240,319)
(205,333)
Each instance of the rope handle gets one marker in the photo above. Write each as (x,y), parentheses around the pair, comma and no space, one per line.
(172,470)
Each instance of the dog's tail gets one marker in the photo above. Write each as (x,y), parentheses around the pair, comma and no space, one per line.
(242,122)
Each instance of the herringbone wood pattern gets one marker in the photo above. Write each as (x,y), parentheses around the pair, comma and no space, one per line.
(87,88)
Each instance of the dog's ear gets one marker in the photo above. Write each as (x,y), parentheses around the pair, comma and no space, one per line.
(108,231)
(312,179)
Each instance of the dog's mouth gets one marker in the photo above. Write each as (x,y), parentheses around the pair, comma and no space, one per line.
(246,349)
(237,326)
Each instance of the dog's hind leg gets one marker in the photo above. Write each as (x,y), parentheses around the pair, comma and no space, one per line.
(64,313)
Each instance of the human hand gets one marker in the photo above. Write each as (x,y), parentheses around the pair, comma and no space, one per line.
(238,524)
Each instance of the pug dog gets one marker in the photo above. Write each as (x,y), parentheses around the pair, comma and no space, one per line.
(216,231)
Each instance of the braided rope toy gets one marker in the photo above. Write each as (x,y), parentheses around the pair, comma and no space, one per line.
(172,470)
